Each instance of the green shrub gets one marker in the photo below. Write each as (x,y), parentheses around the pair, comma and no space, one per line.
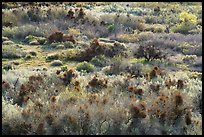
(111,27)
(21,32)
(64,68)
(52,57)
(56,63)
(31,38)
(68,44)
(188,23)
(156,28)
(85,66)
(72,54)
(12,51)
(41,40)
(99,61)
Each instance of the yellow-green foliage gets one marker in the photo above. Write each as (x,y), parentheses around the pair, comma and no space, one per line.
(188,18)
(74,31)
(85,66)
(127,38)
(188,22)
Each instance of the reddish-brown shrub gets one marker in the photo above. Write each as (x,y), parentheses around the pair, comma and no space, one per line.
(56,37)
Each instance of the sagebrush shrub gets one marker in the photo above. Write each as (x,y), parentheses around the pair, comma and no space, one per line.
(85,66)
(149,52)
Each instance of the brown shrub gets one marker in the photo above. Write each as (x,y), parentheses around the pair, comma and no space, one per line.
(67,77)
(56,37)
(70,14)
(180,84)
(169,83)
(96,82)
(178,99)
(156,72)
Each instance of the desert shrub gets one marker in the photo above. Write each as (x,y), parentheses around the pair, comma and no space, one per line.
(97,48)
(56,63)
(150,19)
(149,52)
(118,65)
(68,76)
(189,58)
(8,32)
(85,66)
(30,38)
(60,102)
(68,38)
(33,14)
(111,28)
(188,22)
(55,37)
(74,31)
(52,57)
(189,48)
(9,5)
(136,69)
(9,19)
(41,40)
(117,49)
(98,82)
(12,51)
(58,36)
(68,44)
(72,54)
(91,32)
(156,28)
(162,107)
(64,68)
(142,36)
(88,53)
(127,38)
(22,31)
(99,61)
